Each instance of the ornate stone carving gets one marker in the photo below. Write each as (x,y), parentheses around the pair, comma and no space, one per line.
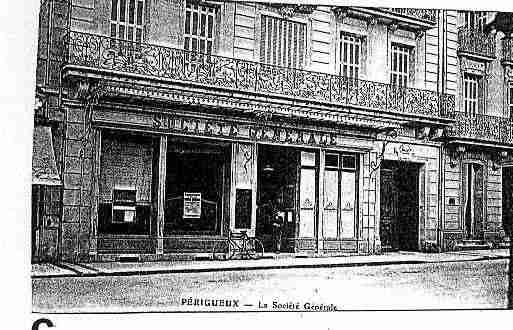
(392,28)
(289,10)
(340,13)
(371,22)
(472,66)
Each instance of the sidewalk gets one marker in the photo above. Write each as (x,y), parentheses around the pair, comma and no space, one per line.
(66,269)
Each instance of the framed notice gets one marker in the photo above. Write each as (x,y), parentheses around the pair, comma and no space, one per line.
(191,205)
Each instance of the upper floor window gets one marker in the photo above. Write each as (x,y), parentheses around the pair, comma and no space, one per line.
(282,42)
(475,20)
(127,20)
(399,65)
(199,27)
(471,93)
(350,54)
(510,99)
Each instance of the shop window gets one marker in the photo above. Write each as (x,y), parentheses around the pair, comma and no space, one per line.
(350,55)
(199,28)
(196,187)
(340,192)
(472,90)
(282,42)
(125,186)
(127,20)
(399,66)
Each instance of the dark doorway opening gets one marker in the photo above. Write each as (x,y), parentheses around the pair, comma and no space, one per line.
(399,206)
(276,199)
(473,183)
(196,187)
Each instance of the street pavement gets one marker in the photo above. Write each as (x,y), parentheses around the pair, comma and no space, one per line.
(430,285)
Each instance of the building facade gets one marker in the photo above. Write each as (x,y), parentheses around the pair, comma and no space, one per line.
(174,123)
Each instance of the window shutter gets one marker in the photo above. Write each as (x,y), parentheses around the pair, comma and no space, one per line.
(282,42)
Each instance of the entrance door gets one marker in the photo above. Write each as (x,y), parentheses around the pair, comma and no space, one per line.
(277,176)
(388,211)
(399,208)
(473,212)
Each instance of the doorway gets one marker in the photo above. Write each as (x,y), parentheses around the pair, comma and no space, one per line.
(196,188)
(473,183)
(276,198)
(399,206)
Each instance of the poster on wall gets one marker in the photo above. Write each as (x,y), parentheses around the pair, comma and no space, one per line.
(191,205)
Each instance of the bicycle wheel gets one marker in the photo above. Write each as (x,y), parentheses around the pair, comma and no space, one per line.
(256,248)
(221,250)
(233,250)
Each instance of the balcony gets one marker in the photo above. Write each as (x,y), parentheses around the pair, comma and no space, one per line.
(474,43)
(482,128)
(507,51)
(103,54)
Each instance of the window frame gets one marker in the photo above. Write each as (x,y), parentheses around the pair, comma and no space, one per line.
(357,43)
(210,12)
(130,28)
(404,56)
(472,83)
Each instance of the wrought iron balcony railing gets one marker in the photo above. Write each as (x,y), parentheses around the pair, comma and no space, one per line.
(479,127)
(475,42)
(103,53)
(428,15)
(507,51)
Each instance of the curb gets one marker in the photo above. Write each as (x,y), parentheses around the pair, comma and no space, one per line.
(262,267)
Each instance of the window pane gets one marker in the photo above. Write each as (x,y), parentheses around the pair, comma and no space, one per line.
(122,10)
(331,160)
(131,12)
(140,13)
(195,23)
(203,25)
(307,158)
(347,203)
(188,22)
(114,10)
(330,212)
(307,203)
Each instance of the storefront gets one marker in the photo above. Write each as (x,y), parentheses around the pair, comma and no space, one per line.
(178,183)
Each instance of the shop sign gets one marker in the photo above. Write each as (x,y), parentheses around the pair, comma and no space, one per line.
(252,132)
(191,205)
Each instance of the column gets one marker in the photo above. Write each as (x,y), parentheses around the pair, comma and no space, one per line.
(161,193)
(93,240)
(320,203)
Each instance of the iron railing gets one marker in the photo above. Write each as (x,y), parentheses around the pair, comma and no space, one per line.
(104,53)
(428,15)
(482,128)
(507,50)
(476,42)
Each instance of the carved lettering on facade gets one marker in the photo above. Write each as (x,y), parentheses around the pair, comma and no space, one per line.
(264,133)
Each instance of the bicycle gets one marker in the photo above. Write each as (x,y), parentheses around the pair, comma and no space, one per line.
(238,245)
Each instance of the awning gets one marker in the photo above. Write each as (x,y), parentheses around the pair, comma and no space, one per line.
(44,167)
